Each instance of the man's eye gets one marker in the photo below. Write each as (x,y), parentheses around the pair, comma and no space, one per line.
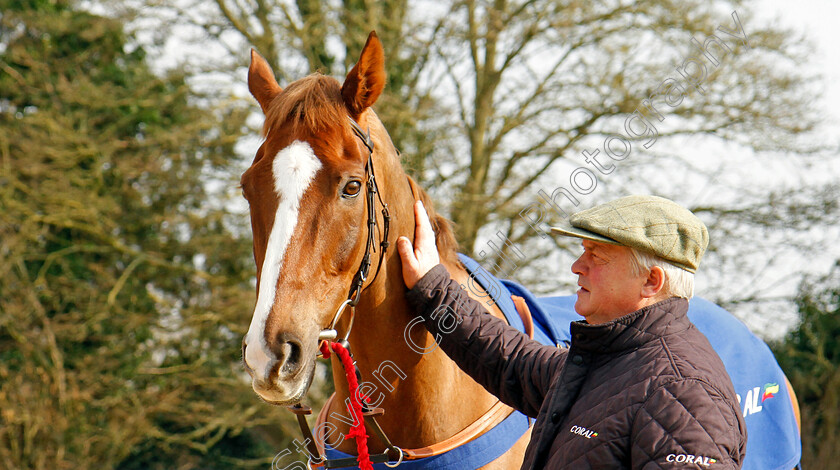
(352,188)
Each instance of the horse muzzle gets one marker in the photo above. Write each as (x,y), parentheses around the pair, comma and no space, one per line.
(282,374)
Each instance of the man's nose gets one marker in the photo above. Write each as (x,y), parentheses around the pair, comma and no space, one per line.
(577,266)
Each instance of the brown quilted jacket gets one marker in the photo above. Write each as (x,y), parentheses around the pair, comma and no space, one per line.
(645,391)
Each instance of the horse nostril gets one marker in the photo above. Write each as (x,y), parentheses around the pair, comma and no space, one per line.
(293,354)
(288,351)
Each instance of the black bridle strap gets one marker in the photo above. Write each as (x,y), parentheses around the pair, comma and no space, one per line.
(372,195)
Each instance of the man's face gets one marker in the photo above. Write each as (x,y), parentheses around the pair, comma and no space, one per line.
(608,287)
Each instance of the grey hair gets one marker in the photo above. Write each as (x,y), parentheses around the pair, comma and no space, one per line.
(678,281)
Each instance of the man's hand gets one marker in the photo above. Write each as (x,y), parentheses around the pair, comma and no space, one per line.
(419,259)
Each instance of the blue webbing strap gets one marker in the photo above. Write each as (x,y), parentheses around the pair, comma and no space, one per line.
(545,330)
(497,291)
(474,454)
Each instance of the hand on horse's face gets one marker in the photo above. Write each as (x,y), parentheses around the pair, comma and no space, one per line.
(419,259)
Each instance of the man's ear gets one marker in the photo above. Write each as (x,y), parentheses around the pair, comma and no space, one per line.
(654,283)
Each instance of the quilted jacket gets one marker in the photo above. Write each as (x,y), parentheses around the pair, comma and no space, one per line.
(644,391)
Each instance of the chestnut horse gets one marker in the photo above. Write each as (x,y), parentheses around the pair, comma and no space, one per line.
(309,216)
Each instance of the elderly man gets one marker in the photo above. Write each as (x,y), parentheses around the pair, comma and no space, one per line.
(640,386)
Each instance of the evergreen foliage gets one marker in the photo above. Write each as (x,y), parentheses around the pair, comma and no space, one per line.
(810,356)
(125,285)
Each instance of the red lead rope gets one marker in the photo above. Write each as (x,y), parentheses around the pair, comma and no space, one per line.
(357,430)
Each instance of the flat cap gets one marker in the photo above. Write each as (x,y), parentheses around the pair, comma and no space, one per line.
(648,223)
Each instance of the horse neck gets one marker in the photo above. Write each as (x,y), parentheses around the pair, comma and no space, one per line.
(426,396)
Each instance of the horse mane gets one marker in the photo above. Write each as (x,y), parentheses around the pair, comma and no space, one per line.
(445,240)
(313,102)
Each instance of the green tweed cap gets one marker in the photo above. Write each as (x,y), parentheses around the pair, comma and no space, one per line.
(648,223)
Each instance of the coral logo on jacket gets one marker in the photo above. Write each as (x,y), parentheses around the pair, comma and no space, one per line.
(582,431)
(769,391)
(690,459)
(756,396)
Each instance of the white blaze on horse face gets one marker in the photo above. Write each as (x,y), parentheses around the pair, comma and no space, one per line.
(293,168)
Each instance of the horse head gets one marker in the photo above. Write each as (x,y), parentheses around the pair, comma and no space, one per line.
(305,189)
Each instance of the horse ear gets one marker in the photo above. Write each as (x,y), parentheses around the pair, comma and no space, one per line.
(366,80)
(261,81)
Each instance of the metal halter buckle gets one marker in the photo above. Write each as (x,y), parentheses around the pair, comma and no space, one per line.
(399,461)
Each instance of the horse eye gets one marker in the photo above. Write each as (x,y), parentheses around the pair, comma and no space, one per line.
(352,188)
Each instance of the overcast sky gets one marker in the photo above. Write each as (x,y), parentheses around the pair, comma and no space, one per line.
(817,19)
